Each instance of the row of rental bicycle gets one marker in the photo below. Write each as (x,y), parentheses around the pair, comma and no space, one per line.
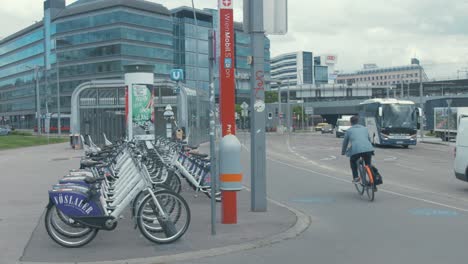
(144,177)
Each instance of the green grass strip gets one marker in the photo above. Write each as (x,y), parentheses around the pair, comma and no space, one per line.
(19,141)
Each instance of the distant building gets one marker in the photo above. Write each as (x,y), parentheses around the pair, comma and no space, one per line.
(298,68)
(389,76)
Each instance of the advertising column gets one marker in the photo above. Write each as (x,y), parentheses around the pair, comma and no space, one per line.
(226,67)
(227,102)
(139,82)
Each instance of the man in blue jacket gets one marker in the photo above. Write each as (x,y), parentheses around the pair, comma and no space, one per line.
(361,146)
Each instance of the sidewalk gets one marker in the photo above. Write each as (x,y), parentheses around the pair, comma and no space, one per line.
(434,140)
(23,194)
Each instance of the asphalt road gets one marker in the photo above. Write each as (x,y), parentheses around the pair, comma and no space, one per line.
(420,214)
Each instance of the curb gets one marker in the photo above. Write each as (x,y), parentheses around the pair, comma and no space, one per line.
(303,222)
(434,143)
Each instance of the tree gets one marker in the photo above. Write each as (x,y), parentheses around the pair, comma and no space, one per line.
(238,109)
(271,97)
(297,110)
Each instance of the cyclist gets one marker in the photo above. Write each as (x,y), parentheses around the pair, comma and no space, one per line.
(358,136)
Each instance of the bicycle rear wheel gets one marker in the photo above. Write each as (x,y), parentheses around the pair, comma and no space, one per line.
(59,237)
(370,187)
(359,185)
(164,226)
(359,188)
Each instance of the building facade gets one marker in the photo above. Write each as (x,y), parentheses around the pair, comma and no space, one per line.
(296,69)
(191,45)
(93,40)
(390,76)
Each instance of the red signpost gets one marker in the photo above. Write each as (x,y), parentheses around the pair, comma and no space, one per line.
(227,96)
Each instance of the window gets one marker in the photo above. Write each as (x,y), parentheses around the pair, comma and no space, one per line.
(318,93)
(22,67)
(114,34)
(92,68)
(22,41)
(23,54)
(116,17)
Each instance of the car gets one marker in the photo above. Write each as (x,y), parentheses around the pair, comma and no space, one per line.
(4,130)
(319,126)
(461,150)
(342,125)
(328,129)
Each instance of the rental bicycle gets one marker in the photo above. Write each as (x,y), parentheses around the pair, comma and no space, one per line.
(366,183)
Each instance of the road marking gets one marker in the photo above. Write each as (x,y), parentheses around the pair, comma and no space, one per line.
(432,212)
(390,158)
(319,200)
(408,167)
(331,157)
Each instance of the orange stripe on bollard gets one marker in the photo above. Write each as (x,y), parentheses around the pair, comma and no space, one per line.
(231,177)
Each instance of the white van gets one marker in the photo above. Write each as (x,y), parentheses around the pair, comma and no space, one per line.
(461,150)
(342,125)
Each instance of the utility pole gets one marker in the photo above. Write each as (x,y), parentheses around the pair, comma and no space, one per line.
(289,110)
(402,90)
(59,122)
(279,104)
(38,101)
(409,84)
(421,102)
(254,15)
(213,160)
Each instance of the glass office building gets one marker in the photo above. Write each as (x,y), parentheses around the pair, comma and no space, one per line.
(187,35)
(191,45)
(94,39)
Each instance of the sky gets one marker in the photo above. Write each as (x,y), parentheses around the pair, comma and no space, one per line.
(385,32)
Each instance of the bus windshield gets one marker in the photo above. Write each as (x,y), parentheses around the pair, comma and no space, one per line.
(399,116)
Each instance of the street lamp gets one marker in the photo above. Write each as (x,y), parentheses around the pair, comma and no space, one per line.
(289,109)
(59,121)
(279,82)
(38,101)
(302,93)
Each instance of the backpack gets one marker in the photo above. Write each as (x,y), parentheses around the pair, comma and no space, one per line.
(377,177)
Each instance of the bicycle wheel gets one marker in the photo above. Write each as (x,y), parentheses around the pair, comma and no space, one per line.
(65,241)
(174,182)
(139,198)
(370,187)
(169,206)
(66,226)
(359,185)
(166,220)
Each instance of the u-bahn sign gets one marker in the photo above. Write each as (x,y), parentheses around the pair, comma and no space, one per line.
(177,75)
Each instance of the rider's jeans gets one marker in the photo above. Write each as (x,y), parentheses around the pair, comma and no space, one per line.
(367,156)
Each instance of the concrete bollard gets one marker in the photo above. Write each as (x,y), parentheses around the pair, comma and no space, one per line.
(230,175)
